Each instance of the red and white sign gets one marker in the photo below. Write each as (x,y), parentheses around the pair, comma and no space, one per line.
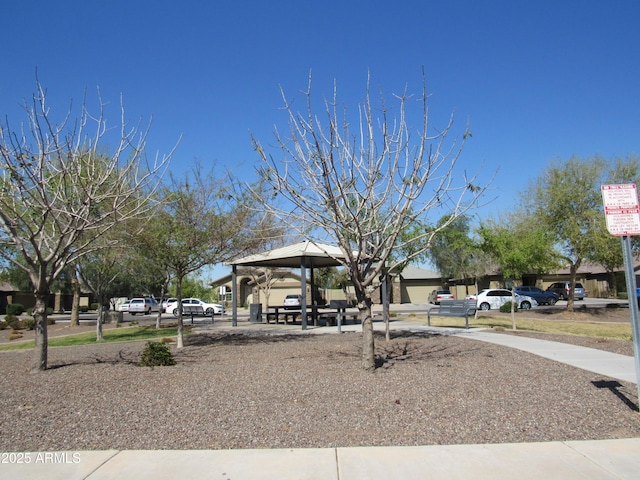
(621,209)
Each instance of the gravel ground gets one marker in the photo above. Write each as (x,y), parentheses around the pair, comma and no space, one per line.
(285,391)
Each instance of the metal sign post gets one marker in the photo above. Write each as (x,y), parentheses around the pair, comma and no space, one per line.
(633,303)
(623,219)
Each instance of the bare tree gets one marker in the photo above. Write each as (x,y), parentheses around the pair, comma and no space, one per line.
(59,191)
(364,188)
(265,278)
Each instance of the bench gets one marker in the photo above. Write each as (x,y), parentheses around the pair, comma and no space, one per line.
(193,311)
(338,308)
(331,318)
(452,308)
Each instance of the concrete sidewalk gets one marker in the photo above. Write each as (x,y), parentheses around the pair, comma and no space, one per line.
(610,364)
(584,460)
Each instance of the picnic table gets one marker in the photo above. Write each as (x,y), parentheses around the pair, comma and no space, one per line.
(329,313)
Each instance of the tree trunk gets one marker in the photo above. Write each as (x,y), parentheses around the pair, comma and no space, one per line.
(613,285)
(513,309)
(368,342)
(573,270)
(99,336)
(386,299)
(40,316)
(180,337)
(475,313)
(75,303)
(159,317)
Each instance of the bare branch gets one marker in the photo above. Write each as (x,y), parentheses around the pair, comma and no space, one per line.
(60,189)
(362,190)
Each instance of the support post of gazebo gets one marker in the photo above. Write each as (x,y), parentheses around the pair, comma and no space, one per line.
(234,295)
(303,281)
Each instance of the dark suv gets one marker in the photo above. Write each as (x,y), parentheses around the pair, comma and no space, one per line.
(564,288)
(539,295)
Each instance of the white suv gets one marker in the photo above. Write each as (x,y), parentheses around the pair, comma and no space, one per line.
(496,297)
(143,305)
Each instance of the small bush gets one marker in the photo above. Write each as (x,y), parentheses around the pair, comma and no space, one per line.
(51,321)
(3,325)
(156,354)
(15,309)
(506,308)
(12,321)
(28,323)
(83,308)
(94,306)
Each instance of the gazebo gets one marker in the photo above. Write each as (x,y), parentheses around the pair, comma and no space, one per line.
(303,255)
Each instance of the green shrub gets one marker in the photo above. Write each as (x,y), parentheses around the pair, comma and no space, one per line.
(3,325)
(83,308)
(156,354)
(506,308)
(15,309)
(28,323)
(12,321)
(51,321)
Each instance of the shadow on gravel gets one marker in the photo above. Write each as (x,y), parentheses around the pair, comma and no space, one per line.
(402,349)
(402,346)
(202,340)
(127,358)
(615,387)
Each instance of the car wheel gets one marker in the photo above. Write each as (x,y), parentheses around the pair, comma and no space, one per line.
(485,306)
(175,312)
(209,311)
(551,301)
(581,299)
(132,313)
(525,306)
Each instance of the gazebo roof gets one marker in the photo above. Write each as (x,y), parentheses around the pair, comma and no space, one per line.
(314,255)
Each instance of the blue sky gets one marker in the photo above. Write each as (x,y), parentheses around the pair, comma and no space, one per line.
(536,81)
